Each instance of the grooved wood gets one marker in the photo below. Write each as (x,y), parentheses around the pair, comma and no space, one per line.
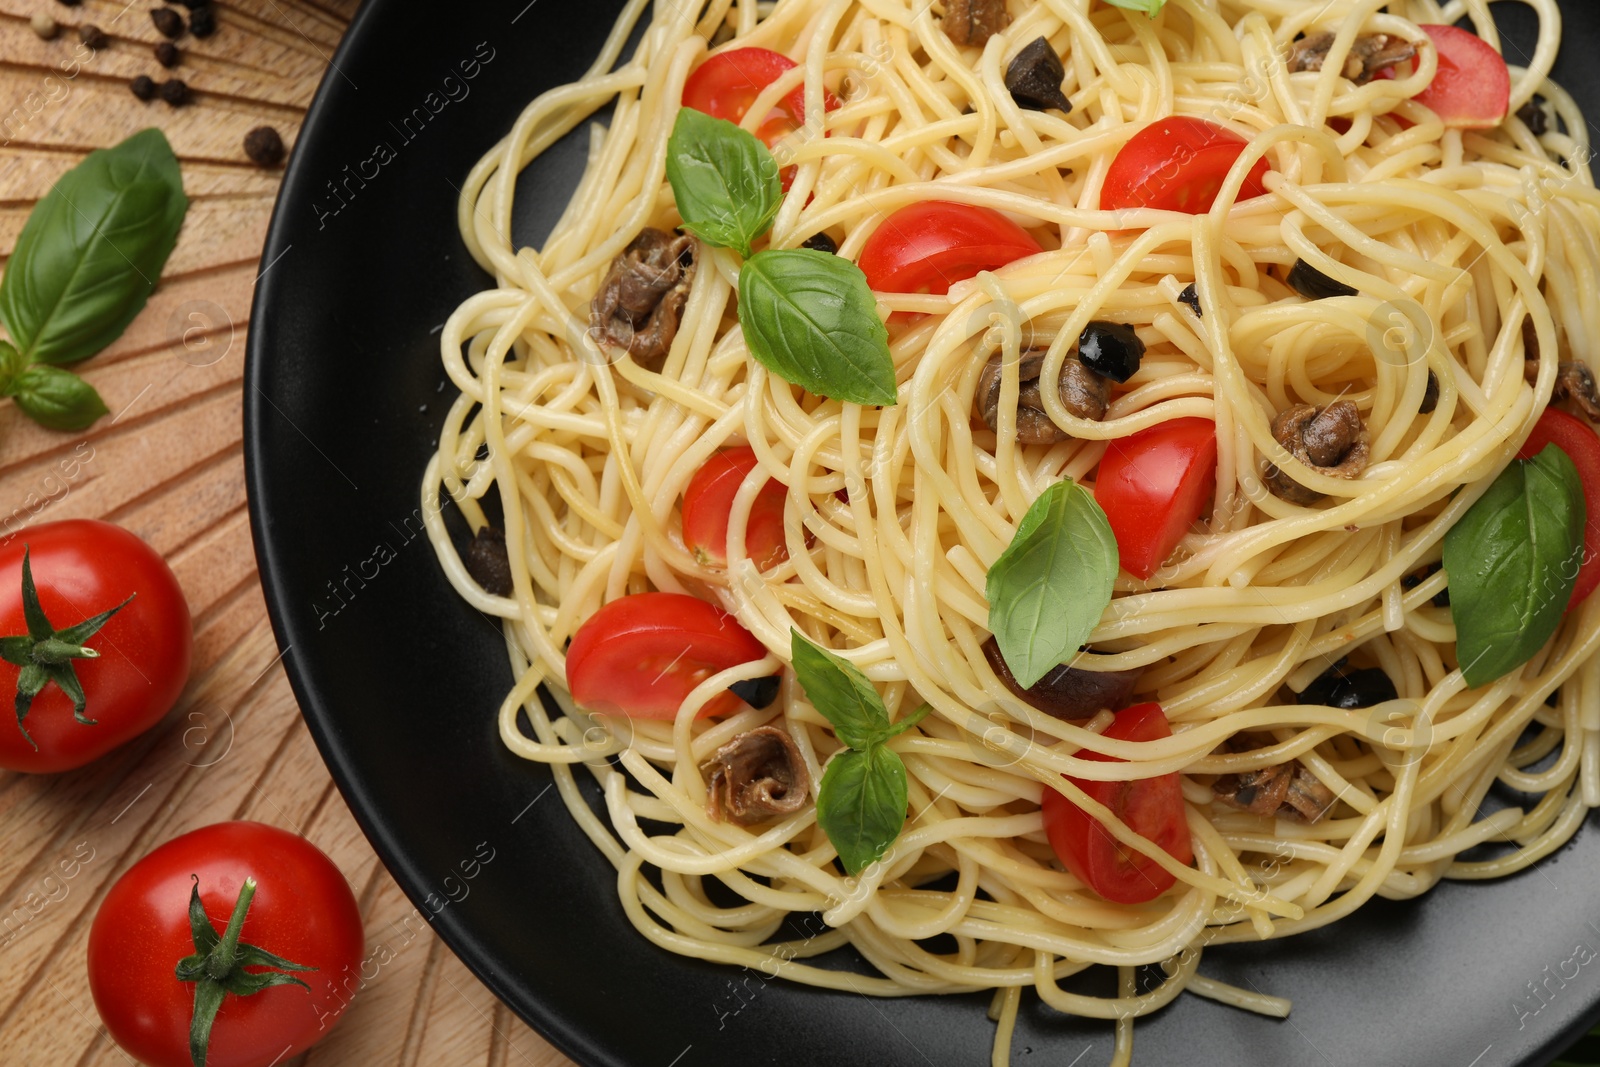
(168,464)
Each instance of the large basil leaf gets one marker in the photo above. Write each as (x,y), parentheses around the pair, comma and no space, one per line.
(724,180)
(861,804)
(1050,586)
(92,249)
(1512,561)
(810,319)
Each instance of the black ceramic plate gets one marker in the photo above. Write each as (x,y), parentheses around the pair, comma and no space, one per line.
(399,680)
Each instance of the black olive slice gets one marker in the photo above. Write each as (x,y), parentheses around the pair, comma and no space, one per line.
(1111,349)
(1312,284)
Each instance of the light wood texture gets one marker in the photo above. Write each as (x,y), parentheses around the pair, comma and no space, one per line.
(168,464)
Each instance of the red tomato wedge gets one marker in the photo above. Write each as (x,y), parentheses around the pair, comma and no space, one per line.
(928,247)
(708,500)
(1151,807)
(1153,486)
(640,655)
(1178,164)
(1574,437)
(1472,89)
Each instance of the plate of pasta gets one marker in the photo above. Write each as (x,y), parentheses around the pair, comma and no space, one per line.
(865,531)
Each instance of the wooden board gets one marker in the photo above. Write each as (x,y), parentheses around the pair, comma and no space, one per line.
(168,464)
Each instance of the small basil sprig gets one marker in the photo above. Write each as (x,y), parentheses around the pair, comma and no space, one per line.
(807,316)
(1512,562)
(861,804)
(1149,7)
(1050,586)
(82,269)
(724,180)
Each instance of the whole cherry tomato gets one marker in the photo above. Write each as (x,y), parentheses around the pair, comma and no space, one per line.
(1153,486)
(1151,808)
(171,912)
(929,246)
(640,655)
(1574,437)
(1178,164)
(103,648)
(708,500)
(1472,89)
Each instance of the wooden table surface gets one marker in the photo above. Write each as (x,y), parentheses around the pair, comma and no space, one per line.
(168,464)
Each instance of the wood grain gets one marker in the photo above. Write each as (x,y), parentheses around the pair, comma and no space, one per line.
(168,464)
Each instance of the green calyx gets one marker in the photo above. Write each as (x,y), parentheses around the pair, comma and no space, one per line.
(45,654)
(218,966)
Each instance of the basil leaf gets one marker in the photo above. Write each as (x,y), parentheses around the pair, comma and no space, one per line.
(838,690)
(1050,586)
(1512,561)
(56,399)
(91,251)
(861,804)
(724,180)
(1149,7)
(810,319)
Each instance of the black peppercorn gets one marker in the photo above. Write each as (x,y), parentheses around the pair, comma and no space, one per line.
(1033,78)
(167,54)
(203,21)
(1191,296)
(143,87)
(264,146)
(1110,349)
(1341,687)
(822,243)
(168,22)
(1312,284)
(175,92)
(93,36)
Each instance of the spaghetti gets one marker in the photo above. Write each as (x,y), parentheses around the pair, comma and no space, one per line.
(1473,247)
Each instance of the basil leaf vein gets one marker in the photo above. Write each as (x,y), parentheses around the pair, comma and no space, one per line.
(724,180)
(1512,561)
(1050,586)
(861,804)
(810,318)
(92,249)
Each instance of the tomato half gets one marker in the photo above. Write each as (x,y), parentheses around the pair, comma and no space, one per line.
(1472,89)
(727,83)
(640,655)
(1151,808)
(929,246)
(1153,486)
(1574,437)
(80,569)
(302,911)
(1178,164)
(708,500)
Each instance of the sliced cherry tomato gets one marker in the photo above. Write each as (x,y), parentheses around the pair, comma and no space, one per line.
(929,246)
(1472,89)
(640,655)
(1153,486)
(1151,808)
(727,83)
(132,668)
(1178,164)
(708,500)
(1574,437)
(301,910)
